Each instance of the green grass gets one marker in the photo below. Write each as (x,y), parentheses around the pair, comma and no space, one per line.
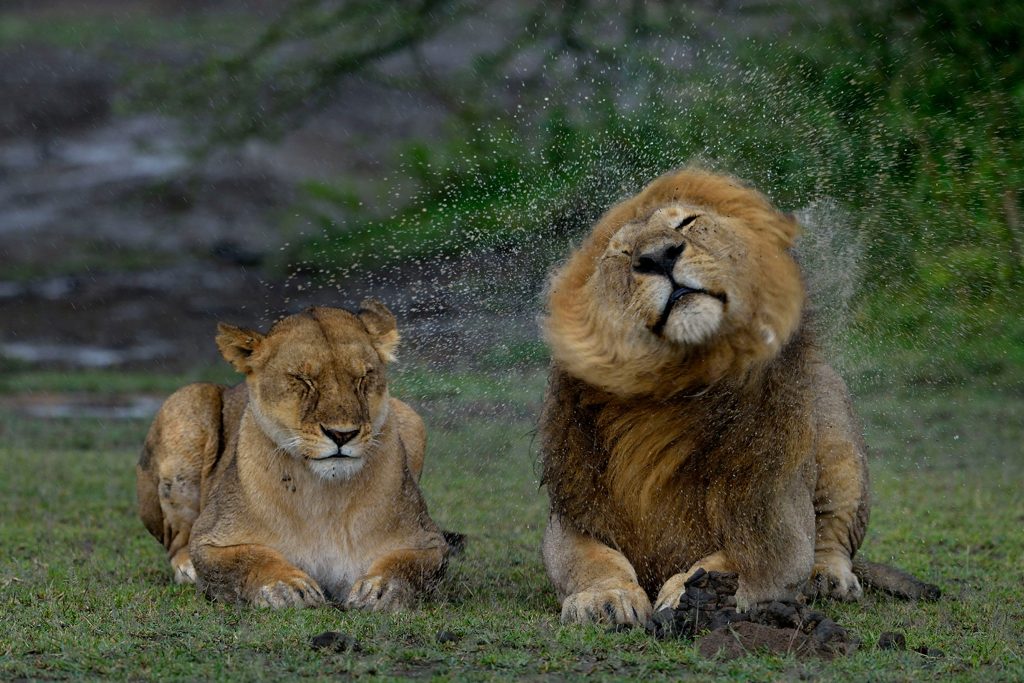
(86,593)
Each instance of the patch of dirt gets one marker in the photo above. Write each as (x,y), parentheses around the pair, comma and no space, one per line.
(708,606)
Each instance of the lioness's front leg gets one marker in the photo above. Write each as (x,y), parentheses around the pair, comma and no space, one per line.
(255,574)
(594,582)
(393,581)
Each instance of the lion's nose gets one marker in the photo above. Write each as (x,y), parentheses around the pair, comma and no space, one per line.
(659,261)
(340,437)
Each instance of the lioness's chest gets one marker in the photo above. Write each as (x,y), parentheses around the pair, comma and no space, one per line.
(330,537)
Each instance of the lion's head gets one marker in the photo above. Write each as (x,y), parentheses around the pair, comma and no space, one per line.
(317,384)
(687,282)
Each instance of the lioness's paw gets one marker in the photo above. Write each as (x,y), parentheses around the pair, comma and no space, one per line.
(294,591)
(380,594)
(834,578)
(626,605)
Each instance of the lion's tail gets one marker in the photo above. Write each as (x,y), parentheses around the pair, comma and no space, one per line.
(894,581)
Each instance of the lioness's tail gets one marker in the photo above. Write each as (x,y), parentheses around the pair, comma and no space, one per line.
(456,542)
(894,581)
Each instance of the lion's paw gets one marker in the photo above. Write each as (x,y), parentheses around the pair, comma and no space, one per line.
(672,591)
(184,572)
(294,591)
(624,605)
(380,594)
(834,578)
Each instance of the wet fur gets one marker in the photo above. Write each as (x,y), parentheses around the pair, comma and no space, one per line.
(741,453)
(251,521)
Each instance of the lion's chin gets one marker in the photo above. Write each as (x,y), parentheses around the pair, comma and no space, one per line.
(692,321)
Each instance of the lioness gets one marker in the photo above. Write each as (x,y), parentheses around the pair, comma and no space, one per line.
(301,483)
(690,421)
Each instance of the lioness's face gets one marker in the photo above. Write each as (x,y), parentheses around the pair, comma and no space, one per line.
(317,386)
(684,274)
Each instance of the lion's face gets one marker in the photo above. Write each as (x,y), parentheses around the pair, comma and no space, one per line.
(677,273)
(317,383)
(689,281)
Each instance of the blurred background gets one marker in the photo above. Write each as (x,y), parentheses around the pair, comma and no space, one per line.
(164,165)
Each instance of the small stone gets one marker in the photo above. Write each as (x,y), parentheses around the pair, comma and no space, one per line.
(891,640)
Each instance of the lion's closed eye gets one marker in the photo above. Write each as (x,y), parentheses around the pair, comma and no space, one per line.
(686,221)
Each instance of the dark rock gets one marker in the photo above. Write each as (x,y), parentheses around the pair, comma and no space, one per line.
(335,641)
(891,640)
(444,637)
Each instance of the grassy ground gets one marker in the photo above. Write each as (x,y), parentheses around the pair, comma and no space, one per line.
(85,592)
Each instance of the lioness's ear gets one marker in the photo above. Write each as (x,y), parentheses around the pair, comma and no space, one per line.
(236,344)
(382,326)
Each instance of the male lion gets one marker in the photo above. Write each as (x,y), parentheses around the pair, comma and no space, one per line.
(301,483)
(690,421)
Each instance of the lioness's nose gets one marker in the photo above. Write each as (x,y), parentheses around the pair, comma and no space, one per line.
(338,436)
(659,261)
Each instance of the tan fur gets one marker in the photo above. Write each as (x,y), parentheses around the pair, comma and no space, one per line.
(252,497)
(706,434)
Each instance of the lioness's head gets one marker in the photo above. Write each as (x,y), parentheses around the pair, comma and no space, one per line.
(687,282)
(316,382)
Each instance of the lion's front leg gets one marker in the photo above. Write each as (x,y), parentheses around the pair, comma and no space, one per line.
(595,583)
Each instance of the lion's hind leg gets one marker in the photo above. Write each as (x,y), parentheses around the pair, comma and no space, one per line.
(841,504)
(183,439)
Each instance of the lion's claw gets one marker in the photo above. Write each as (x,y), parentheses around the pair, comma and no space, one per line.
(613,606)
(834,579)
(378,594)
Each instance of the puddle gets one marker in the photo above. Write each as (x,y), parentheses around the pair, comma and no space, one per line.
(68,406)
(82,356)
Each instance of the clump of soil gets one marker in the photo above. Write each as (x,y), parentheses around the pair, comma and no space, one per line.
(708,606)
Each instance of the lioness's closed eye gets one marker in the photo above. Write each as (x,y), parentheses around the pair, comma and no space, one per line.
(301,483)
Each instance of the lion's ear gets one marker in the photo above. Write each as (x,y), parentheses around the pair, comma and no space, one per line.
(787,229)
(382,326)
(236,344)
